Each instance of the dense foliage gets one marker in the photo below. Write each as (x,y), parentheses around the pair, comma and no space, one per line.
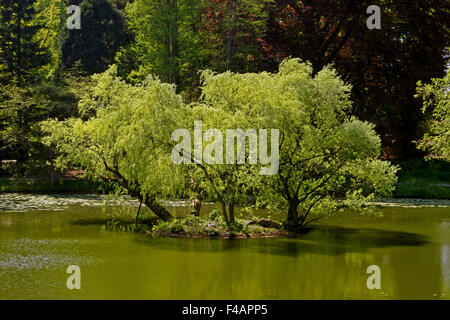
(436,96)
(21,111)
(20,53)
(324,154)
(383,65)
(122,136)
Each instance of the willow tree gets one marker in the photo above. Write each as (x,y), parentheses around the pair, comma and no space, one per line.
(326,158)
(123,137)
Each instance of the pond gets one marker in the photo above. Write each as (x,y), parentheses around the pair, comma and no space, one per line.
(40,236)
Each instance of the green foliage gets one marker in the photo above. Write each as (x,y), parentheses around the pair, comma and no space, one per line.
(214,215)
(61,186)
(52,17)
(125,136)
(166,42)
(21,54)
(436,95)
(426,179)
(175,39)
(212,228)
(21,110)
(324,154)
(431,169)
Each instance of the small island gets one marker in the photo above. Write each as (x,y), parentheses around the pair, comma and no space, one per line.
(214,227)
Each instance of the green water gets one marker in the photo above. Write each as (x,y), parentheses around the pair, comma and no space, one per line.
(39,239)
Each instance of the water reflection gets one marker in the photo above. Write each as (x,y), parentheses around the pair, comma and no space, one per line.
(444,228)
(411,246)
(324,240)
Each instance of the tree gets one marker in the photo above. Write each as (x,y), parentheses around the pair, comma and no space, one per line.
(324,154)
(123,137)
(436,96)
(231,31)
(101,35)
(21,55)
(166,42)
(21,111)
(52,19)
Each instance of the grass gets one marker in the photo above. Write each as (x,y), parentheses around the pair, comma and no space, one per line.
(419,178)
(45,186)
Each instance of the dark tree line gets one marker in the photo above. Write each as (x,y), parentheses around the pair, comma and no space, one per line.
(383,65)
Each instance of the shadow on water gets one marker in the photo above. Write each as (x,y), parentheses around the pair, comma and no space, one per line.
(90,221)
(104,221)
(323,240)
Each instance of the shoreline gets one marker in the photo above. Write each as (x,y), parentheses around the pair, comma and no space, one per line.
(22,202)
(420,190)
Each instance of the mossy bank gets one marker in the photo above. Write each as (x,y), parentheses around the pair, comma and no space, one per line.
(213,226)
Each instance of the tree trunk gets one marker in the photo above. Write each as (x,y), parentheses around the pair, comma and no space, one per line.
(52,174)
(196,205)
(172,42)
(139,211)
(19,43)
(158,210)
(134,190)
(224,213)
(231,211)
(175,45)
(230,33)
(292,219)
